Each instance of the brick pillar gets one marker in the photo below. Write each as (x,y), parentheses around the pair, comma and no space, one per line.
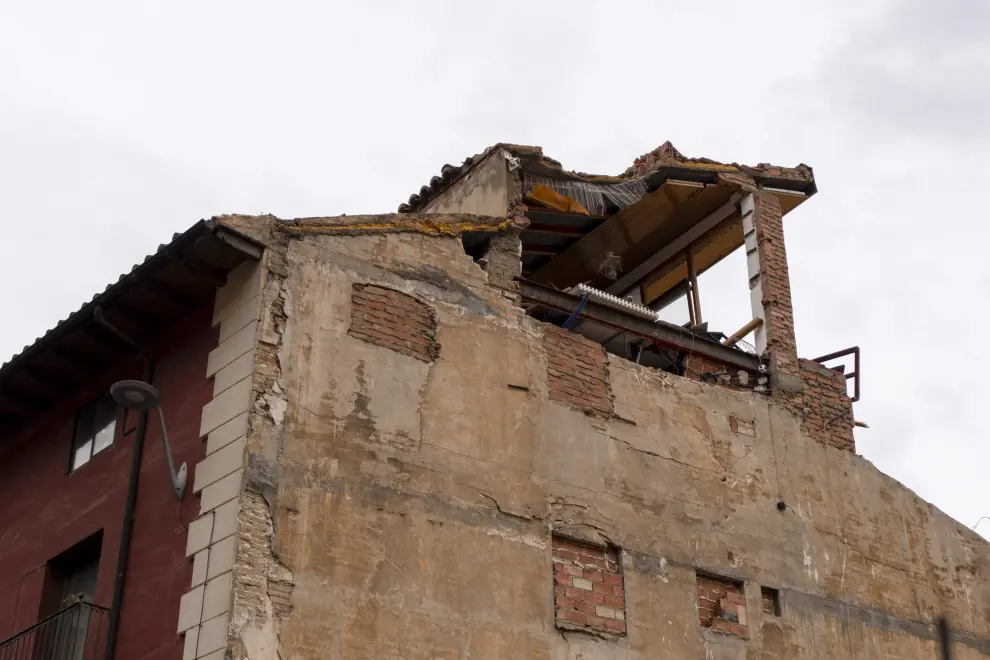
(770,289)
(505,260)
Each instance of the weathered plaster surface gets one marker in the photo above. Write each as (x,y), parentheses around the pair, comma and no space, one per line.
(485,190)
(403,509)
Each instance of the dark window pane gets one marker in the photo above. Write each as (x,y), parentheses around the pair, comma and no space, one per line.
(104,437)
(105,412)
(84,426)
(95,428)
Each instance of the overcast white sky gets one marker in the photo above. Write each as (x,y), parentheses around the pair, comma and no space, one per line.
(123,122)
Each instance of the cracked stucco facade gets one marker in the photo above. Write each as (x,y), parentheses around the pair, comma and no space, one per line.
(398,508)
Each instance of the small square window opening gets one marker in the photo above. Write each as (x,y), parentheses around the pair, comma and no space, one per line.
(771,601)
(96,425)
(722,605)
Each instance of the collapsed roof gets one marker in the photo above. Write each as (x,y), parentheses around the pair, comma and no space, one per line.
(665,160)
(613,232)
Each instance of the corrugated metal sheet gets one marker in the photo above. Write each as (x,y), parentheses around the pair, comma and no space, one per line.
(592,196)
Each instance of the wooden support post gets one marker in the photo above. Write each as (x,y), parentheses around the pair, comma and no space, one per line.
(693,277)
(690,303)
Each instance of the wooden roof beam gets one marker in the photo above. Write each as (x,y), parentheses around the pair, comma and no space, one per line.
(631,279)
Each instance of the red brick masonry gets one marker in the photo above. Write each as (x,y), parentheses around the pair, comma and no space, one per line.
(825,408)
(394,320)
(587,587)
(722,606)
(576,371)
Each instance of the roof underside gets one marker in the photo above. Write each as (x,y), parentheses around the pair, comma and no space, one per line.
(635,232)
(178,278)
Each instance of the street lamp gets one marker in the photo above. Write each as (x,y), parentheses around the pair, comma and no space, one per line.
(138,395)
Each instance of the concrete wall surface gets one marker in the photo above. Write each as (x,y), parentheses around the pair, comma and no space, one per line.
(398,506)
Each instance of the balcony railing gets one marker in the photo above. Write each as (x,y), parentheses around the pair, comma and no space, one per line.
(78,632)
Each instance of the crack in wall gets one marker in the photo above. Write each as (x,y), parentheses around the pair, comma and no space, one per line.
(648,452)
(511,514)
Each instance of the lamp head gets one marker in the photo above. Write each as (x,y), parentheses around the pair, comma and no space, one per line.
(142,396)
(134,394)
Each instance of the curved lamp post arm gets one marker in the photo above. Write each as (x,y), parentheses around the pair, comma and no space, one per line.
(178,478)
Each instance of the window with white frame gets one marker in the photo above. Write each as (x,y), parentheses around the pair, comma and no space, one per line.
(96,424)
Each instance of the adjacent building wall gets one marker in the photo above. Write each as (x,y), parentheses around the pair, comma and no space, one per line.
(211,541)
(44,511)
(400,503)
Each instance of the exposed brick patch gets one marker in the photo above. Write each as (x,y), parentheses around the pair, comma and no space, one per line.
(824,406)
(722,605)
(742,426)
(588,588)
(700,367)
(394,320)
(263,587)
(576,371)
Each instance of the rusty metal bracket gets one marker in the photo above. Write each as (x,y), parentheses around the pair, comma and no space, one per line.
(855,373)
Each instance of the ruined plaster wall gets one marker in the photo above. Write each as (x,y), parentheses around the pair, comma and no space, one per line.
(483,191)
(262,587)
(397,507)
(504,261)
(494,188)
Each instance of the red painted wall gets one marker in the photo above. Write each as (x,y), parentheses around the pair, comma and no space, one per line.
(44,511)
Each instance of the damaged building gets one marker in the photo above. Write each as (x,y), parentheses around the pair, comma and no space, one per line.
(468,429)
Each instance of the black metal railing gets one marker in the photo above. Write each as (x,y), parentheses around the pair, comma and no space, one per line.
(77,632)
(855,373)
